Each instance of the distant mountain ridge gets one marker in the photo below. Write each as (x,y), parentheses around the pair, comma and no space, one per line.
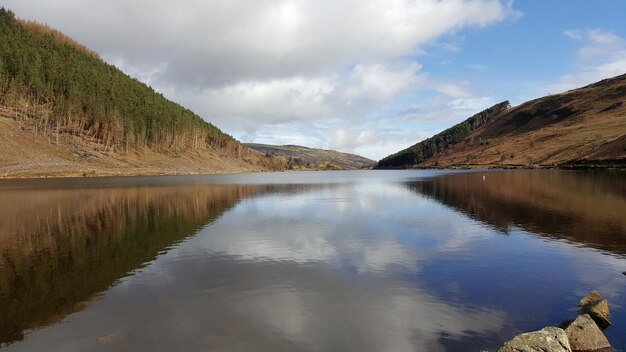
(584,127)
(299,157)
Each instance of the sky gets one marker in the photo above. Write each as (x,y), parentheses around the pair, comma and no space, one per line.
(369,77)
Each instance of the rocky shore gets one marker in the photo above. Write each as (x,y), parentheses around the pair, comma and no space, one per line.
(582,334)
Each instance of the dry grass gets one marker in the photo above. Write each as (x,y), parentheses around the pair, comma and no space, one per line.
(23,154)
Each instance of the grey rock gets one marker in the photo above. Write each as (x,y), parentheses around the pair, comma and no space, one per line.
(584,335)
(547,339)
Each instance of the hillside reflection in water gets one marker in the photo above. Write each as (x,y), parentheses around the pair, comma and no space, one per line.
(394,261)
(585,207)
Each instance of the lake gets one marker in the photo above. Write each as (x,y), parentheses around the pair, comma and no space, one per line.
(307,261)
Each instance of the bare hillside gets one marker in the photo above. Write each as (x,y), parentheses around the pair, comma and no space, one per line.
(24,154)
(582,127)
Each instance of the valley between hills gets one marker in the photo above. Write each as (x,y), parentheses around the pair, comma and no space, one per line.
(66,112)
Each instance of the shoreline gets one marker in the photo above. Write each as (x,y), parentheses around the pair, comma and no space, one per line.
(80,174)
(621,165)
(38,175)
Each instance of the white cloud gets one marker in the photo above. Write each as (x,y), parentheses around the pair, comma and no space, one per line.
(444,110)
(217,42)
(262,65)
(391,132)
(573,34)
(379,81)
(269,101)
(352,111)
(601,45)
(452,89)
(471,104)
(602,56)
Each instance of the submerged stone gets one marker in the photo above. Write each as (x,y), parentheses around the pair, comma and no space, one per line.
(599,312)
(584,335)
(597,307)
(592,297)
(547,339)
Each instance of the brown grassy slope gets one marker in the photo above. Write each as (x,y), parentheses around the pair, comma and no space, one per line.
(583,126)
(25,154)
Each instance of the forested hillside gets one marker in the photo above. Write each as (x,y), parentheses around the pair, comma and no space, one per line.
(57,88)
(426,149)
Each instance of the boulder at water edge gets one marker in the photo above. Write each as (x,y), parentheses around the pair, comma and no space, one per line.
(597,307)
(547,339)
(584,335)
(599,312)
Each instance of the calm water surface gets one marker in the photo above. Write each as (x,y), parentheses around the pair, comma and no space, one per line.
(334,261)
